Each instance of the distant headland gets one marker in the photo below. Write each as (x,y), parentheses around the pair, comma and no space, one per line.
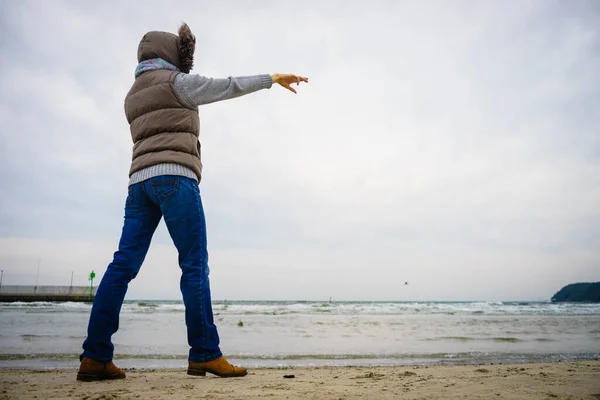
(586,291)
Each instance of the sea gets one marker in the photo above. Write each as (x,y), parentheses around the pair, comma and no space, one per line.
(152,334)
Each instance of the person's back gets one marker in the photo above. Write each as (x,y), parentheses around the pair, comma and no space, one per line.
(163,128)
(166,168)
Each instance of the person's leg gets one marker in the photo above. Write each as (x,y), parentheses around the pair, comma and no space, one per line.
(181,205)
(141,219)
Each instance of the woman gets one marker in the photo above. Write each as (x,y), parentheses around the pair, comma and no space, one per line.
(162,110)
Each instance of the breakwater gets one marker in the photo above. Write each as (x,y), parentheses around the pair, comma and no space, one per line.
(24,293)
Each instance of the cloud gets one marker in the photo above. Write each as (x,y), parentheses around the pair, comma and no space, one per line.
(452,145)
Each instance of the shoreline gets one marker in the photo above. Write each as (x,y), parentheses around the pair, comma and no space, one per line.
(559,380)
(166,362)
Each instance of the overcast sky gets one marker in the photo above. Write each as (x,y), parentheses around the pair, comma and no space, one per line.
(451,144)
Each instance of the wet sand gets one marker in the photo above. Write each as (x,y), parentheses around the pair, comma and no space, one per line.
(562,380)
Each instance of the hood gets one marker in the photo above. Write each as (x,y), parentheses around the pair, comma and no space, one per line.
(176,49)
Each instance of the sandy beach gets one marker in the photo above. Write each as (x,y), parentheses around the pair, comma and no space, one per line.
(563,380)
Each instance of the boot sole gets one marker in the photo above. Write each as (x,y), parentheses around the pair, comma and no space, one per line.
(202,372)
(87,377)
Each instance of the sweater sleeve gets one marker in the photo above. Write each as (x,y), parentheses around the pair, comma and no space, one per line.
(199,90)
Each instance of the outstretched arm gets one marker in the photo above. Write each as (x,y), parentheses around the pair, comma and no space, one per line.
(199,90)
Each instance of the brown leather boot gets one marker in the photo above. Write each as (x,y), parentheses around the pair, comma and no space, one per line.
(219,367)
(92,370)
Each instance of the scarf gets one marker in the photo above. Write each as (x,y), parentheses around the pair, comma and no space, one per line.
(153,64)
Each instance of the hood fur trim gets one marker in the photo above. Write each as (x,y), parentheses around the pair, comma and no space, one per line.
(187,47)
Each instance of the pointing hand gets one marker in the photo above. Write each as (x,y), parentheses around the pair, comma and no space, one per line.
(286,80)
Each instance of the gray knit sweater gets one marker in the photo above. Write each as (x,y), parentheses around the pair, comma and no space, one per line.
(199,90)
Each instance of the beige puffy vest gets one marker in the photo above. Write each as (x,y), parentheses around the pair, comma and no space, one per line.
(164,128)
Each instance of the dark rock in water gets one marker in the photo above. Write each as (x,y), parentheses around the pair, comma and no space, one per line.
(587,291)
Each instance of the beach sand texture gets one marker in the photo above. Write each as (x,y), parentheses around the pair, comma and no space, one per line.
(561,380)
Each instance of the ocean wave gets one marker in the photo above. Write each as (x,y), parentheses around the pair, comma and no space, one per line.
(45,305)
(450,309)
(470,338)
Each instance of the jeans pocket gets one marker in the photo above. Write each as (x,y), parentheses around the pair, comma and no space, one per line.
(129,195)
(165,187)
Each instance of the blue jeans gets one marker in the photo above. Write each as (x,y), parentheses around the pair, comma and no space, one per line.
(178,200)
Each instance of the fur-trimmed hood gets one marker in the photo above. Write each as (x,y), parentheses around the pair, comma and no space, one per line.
(176,49)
